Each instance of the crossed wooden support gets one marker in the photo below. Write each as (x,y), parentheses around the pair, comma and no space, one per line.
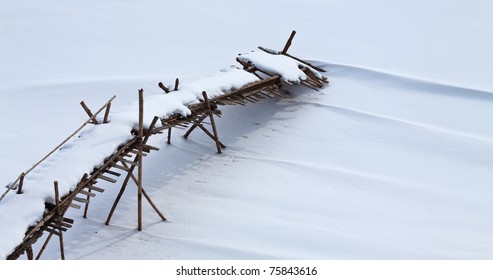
(198,120)
(139,149)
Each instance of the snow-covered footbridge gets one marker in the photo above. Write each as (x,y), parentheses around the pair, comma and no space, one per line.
(114,145)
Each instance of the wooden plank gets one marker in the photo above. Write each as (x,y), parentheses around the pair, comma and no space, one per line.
(111,180)
(73,205)
(128,161)
(87,193)
(54,225)
(112,173)
(138,153)
(120,167)
(147,148)
(66,225)
(54,232)
(94,188)
(81,200)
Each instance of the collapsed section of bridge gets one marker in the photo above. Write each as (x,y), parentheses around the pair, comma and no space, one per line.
(33,206)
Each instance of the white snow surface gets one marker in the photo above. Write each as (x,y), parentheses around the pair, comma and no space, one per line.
(392,160)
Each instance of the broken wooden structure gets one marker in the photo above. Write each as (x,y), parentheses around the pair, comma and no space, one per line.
(128,158)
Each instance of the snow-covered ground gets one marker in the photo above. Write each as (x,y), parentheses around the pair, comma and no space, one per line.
(393,160)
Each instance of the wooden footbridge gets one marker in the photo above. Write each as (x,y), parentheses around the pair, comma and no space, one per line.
(127,160)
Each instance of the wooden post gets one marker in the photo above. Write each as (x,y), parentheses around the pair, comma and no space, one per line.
(146,195)
(139,157)
(21,182)
(213,124)
(163,87)
(169,135)
(177,82)
(86,208)
(130,171)
(107,113)
(44,246)
(88,112)
(288,43)
(119,196)
(58,213)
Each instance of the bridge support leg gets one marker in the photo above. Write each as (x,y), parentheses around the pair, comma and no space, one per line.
(141,147)
(198,123)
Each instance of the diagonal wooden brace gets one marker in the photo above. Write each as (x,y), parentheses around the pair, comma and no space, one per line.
(198,123)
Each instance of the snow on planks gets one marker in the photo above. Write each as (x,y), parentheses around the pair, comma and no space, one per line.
(117,145)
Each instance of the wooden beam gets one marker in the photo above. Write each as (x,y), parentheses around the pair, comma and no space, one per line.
(139,159)
(59,214)
(213,124)
(177,82)
(107,113)
(163,87)
(88,112)
(89,193)
(106,178)
(94,188)
(288,43)
(21,183)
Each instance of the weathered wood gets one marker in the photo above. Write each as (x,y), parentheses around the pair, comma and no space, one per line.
(94,188)
(163,87)
(21,183)
(307,63)
(89,193)
(81,200)
(112,173)
(177,82)
(106,178)
(133,163)
(120,167)
(51,231)
(107,113)
(149,130)
(288,43)
(269,51)
(58,214)
(44,246)
(138,152)
(136,181)
(88,112)
(213,124)
(55,226)
(147,148)
(139,159)
(64,224)
(73,205)
(196,123)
